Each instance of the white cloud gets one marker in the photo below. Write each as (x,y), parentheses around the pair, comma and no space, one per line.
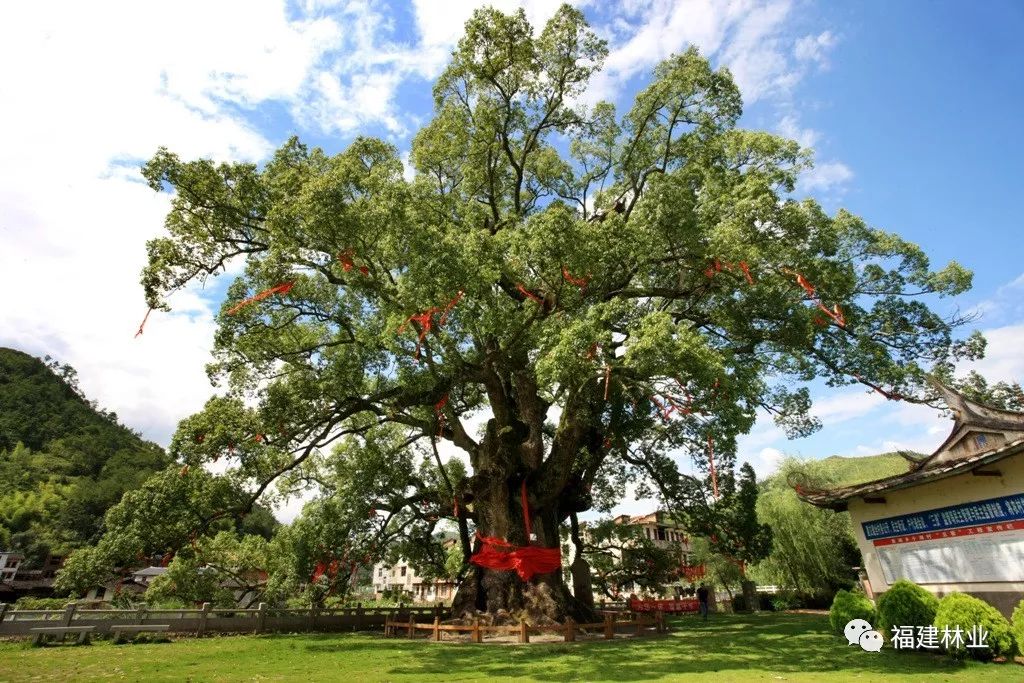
(826,176)
(838,408)
(748,36)
(99,91)
(1004,355)
(815,48)
(1006,304)
(790,127)
(756,54)
(767,462)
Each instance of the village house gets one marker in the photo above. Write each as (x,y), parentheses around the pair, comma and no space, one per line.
(135,584)
(955,520)
(9,563)
(402,577)
(666,534)
(16,581)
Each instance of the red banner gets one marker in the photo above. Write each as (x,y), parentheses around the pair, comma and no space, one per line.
(682,605)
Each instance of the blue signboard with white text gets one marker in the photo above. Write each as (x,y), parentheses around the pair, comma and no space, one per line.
(990,511)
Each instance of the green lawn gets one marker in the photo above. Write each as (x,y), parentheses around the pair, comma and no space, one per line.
(787,647)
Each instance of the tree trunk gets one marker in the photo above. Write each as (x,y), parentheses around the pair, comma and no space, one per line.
(750,595)
(582,582)
(498,512)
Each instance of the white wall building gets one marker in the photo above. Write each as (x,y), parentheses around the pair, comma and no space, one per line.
(955,520)
(9,563)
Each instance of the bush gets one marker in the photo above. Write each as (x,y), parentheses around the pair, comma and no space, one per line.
(847,606)
(29,602)
(905,604)
(784,601)
(1017,625)
(965,611)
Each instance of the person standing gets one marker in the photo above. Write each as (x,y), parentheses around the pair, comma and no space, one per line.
(702,600)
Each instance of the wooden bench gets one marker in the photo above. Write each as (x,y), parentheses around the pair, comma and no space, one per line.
(40,633)
(118,631)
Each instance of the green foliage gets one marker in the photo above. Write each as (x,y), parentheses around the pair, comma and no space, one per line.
(29,602)
(837,470)
(722,570)
(785,601)
(214,570)
(1004,395)
(967,612)
(905,604)
(621,555)
(63,461)
(160,516)
(813,549)
(501,221)
(847,606)
(1017,625)
(731,522)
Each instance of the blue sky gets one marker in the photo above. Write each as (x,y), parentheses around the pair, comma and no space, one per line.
(912,109)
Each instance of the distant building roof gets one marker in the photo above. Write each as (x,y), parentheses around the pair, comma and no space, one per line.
(150,571)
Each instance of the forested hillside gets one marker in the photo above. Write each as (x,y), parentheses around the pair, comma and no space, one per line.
(63,461)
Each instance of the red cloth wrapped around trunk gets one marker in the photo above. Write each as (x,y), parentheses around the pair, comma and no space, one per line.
(526,561)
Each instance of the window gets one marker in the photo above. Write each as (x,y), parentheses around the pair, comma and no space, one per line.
(403,571)
(661,534)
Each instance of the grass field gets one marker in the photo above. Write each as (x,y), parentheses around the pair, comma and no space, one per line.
(768,647)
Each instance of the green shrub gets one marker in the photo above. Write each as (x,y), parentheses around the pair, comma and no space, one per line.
(847,606)
(28,602)
(965,611)
(1017,625)
(784,601)
(905,604)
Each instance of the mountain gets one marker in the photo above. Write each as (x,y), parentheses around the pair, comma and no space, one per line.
(63,460)
(846,470)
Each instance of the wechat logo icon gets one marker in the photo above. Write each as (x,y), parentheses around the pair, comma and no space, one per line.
(859,632)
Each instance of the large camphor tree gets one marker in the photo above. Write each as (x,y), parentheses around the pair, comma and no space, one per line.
(607,296)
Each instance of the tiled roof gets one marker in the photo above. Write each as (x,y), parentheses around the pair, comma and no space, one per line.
(837,498)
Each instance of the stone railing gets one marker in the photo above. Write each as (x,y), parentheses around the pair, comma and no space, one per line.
(207,619)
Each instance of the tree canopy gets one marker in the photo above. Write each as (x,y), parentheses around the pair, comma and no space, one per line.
(609,295)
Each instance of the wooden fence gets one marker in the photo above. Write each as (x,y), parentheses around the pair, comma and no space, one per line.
(637,624)
(207,619)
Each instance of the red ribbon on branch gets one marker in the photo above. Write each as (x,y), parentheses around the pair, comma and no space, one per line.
(834,313)
(282,288)
(439,413)
(143,323)
(526,511)
(449,306)
(527,293)
(890,395)
(746,272)
(426,320)
(718,266)
(348,264)
(580,282)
